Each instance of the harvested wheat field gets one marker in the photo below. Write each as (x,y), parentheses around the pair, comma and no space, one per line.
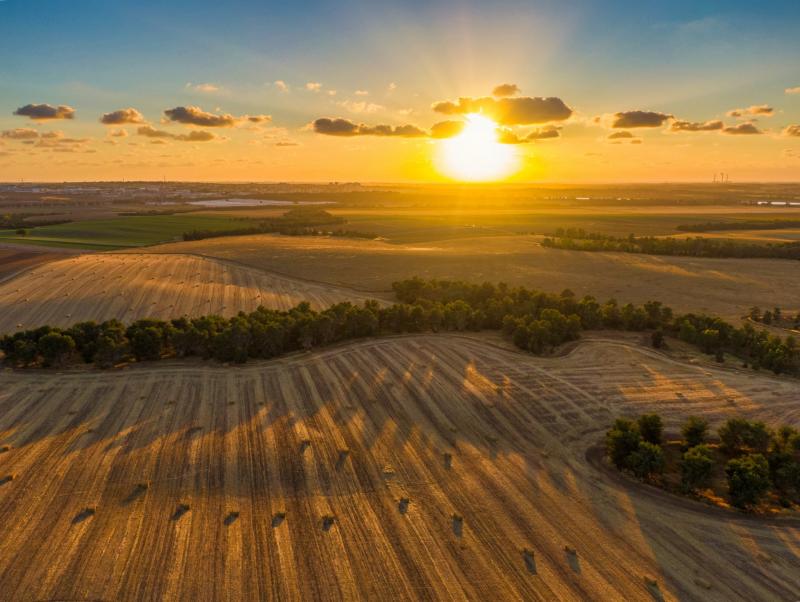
(132,286)
(16,259)
(723,287)
(409,468)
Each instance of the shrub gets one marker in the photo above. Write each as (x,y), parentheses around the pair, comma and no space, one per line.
(647,461)
(697,466)
(694,431)
(651,428)
(748,479)
(622,440)
(657,339)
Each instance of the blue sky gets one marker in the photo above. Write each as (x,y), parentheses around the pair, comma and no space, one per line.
(695,59)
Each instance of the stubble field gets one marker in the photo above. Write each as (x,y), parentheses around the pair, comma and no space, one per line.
(128,287)
(409,468)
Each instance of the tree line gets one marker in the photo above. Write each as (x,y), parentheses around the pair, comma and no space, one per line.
(757,459)
(756,224)
(577,239)
(535,321)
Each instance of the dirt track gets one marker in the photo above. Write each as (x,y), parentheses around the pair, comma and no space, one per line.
(378,418)
(132,286)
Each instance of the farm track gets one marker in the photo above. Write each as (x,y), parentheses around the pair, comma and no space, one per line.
(348,433)
(133,286)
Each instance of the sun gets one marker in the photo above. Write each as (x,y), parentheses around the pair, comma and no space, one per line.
(475,155)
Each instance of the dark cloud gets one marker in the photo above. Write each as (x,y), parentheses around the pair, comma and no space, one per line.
(346,128)
(446,129)
(504,90)
(695,126)
(197,116)
(122,116)
(44,112)
(639,119)
(742,129)
(196,136)
(259,118)
(286,143)
(20,134)
(792,130)
(522,110)
(763,110)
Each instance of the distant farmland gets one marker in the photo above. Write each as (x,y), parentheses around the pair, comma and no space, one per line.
(414,468)
(118,232)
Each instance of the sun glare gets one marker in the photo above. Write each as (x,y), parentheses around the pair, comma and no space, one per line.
(475,155)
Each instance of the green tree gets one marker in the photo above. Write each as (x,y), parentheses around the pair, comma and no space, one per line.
(55,348)
(739,436)
(146,343)
(695,431)
(647,461)
(651,428)
(748,480)
(697,466)
(622,440)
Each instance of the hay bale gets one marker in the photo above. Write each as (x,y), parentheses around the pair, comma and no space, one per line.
(5,448)
(327,522)
(402,505)
(278,518)
(448,460)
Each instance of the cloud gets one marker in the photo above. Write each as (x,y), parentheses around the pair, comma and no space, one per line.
(360,106)
(504,90)
(122,116)
(621,135)
(313,86)
(52,135)
(792,131)
(346,128)
(20,134)
(522,110)
(207,88)
(763,110)
(195,136)
(447,129)
(638,119)
(694,126)
(361,92)
(44,112)
(391,87)
(259,118)
(795,90)
(196,116)
(286,143)
(119,133)
(742,129)
(281,85)
(507,136)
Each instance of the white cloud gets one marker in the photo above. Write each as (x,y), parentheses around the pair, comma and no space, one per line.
(314,86)
(360,106)
(208,88)
(795,90)
(281,85)
(361,92)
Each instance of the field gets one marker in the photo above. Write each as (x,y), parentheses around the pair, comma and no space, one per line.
(14,260)
(723,287)
(119,232)
(410,468)
(128,287)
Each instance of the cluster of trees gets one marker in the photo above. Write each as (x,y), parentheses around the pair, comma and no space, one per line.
(534,320)
(538,321)
(775,316)
(756,224)
(580,240)
(295,222)
(757,460)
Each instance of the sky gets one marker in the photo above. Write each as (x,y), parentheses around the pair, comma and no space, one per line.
(369,90)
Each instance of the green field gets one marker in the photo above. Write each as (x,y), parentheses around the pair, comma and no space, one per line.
(120,232)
